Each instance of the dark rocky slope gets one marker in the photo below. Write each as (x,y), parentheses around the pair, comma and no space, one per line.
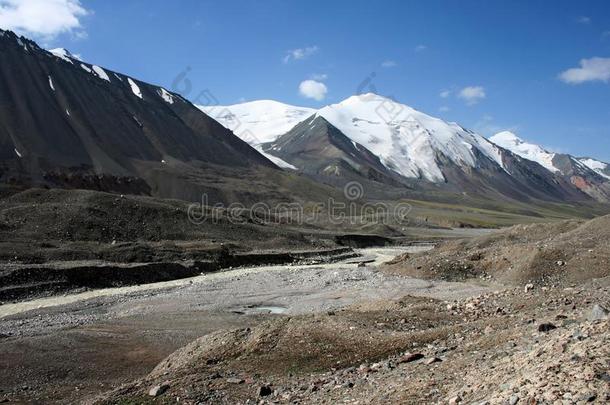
(70,124)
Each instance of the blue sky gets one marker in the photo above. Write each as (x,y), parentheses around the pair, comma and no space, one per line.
(499,64)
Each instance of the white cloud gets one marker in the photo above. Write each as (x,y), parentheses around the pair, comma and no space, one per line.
(42,18)
(388,63)
(445,93)
(590,70)
(313,89)
(300,53)
(420,48)
(583,20)
(319,76)
(444,108)
(472,94)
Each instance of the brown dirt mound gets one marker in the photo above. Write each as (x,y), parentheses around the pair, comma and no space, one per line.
(565,252)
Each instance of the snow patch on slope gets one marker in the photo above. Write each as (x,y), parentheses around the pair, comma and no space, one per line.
(165,95)
(258,122)
(529,151)
(275,160)
(406,140)
(101,73)
(51,84)
(86,68)
(64,54)
(134,87)
(17,153)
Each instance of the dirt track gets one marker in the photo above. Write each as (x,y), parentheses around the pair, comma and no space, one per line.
(67,348)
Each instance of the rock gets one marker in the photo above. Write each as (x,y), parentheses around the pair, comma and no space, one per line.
(513,400)
(362,264)
(546,327)
(410,357)
(561,263)
(529,287)
(598,313)
(363,369)
(455,400)
(432,360)
(158,390)
(233,380)
(588,397)
(265,391)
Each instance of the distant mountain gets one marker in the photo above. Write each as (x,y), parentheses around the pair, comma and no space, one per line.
(68,123)
(535,153)
(588,175)
(374,138)
(406,140)
(321,150)
(259,122)
(601,168)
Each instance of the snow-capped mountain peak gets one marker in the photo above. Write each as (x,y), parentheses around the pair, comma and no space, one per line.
(529,151)
(406,140)
(601,168)
(554,162)
(260,121)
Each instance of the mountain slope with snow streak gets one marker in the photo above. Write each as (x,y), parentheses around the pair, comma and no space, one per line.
(69,123)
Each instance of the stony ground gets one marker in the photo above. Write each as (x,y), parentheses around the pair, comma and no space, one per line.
(559,253)
(66,348)
(543,345)
(518,317)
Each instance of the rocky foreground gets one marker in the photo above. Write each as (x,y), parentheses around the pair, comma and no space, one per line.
(543,338)
(522,345)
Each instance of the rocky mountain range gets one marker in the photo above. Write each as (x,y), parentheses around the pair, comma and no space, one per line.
(374,138)
(72,124)
(588,175)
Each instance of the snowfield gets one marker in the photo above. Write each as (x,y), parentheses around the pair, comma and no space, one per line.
(258,122)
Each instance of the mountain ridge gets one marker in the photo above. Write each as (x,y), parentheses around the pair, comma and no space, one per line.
(68,123)
(416,147)
(588,175)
